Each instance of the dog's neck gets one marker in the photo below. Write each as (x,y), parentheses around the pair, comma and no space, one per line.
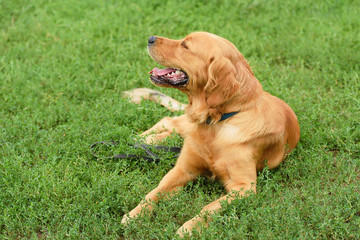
(223,117)
(245,98)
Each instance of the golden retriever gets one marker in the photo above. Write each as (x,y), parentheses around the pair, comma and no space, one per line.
(231,126)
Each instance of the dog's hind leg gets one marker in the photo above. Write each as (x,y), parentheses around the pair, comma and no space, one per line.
(138,94)
(166,126)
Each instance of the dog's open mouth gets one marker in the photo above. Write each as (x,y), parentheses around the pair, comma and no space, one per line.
(169,77)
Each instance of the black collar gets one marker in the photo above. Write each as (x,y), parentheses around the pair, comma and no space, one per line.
(223,117)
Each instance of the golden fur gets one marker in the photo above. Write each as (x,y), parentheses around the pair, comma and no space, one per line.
(220,81)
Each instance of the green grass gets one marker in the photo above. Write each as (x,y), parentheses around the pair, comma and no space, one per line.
(64,64)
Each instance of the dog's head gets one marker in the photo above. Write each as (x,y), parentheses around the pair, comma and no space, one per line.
(208,68)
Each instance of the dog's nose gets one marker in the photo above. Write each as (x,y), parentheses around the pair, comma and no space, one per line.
(151,40)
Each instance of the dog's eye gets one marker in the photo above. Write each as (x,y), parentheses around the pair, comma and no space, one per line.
(183,44)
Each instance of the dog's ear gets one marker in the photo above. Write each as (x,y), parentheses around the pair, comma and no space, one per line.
(222,82)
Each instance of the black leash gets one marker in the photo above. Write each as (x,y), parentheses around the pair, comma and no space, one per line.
(150,156)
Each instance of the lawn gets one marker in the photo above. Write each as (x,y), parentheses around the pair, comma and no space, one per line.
(64,65)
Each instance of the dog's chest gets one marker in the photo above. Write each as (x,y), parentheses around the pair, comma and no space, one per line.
(205,145)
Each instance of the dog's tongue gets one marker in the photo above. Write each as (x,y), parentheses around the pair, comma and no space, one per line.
(161,72)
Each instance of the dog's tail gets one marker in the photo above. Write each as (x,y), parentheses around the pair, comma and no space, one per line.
(138,94)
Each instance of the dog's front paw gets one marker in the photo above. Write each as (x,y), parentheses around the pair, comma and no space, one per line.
(187,228)
(125,220)
(181,232)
